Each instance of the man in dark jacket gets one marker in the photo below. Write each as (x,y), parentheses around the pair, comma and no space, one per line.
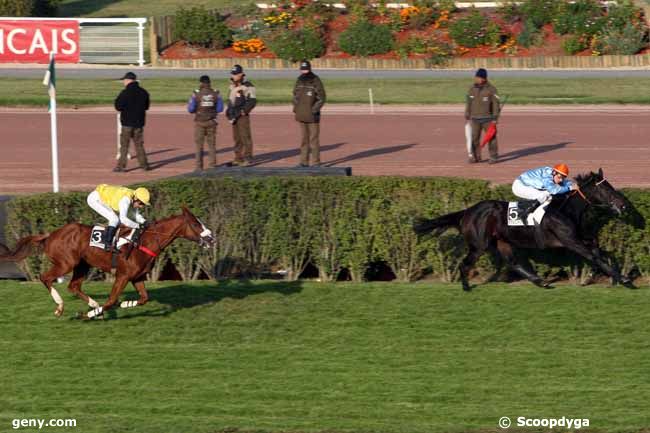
(205,103)
(308,100)
(482,108)
(241,102)
(132,103)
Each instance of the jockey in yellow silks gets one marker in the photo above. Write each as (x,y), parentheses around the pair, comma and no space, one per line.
(113,203)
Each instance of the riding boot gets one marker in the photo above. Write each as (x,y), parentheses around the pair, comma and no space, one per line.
(527,207)
(109,234)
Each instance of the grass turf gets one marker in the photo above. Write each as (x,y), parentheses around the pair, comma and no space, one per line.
(131,8)
(279,356)
(15,91)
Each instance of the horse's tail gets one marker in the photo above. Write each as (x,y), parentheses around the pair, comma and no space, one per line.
(440,224)
(23,249)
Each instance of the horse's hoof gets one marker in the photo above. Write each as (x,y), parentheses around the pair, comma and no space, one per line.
(628,283)
(467,289)
(58,312)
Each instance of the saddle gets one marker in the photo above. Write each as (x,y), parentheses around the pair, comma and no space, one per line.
(523,214)
(97,237)
(520,213)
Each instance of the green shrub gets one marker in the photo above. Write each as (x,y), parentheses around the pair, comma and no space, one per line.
(295,45)
(364,38)
(201,27)
(622,13)
(574,44)
(474,30)
(16,8)
(582,17)
(494,36)
(29,8)
(627,41)
(530,35)
(540,12)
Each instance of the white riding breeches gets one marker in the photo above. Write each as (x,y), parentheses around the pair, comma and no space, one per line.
(98,206)
(530,193)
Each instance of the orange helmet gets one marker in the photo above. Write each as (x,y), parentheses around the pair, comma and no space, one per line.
(563,169)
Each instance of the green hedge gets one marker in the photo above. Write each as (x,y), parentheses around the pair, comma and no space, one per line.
(199,26)
(29,8)
(334,224)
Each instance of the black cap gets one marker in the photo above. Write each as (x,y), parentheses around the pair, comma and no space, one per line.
(305,65)
(482,73)
(129,76)
(204,79)
(237,69)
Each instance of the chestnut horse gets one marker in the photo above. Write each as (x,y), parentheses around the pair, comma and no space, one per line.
(68,250)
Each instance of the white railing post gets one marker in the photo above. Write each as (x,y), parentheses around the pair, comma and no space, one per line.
(140,44)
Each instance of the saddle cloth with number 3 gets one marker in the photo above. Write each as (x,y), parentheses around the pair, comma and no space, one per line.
(97,237)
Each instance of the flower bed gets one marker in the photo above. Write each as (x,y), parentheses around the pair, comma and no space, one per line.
(428,29)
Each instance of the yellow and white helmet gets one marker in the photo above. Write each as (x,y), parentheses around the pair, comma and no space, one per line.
(143,195)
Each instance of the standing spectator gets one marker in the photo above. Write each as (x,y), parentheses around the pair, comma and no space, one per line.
(132,103)
(482,108)
(205,104)
(241,102)
(308,100)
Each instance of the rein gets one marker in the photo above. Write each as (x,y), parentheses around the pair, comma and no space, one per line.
(583,196)
(146,250)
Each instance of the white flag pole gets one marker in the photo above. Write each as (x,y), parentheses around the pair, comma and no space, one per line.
(54,134)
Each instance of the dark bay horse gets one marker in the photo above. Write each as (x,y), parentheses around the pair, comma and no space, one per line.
(68,250)
(484,228)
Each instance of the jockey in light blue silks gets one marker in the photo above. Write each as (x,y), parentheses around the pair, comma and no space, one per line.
(539,185)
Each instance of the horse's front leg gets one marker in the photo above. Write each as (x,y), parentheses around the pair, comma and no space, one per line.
(594,255)
(144,296)
(118,287)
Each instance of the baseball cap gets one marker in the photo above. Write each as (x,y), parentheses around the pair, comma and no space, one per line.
(305,65)
(482,73)
(204,79)
(129,76)
(237,69)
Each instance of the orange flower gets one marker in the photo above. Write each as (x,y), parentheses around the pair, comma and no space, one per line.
(254,45)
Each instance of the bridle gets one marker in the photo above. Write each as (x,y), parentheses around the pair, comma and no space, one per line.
(582,195)
(153,254)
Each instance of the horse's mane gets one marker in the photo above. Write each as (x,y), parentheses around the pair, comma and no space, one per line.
(166,219)
(583,179)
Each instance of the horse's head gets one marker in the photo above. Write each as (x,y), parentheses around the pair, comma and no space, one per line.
(195,230)
(599,191)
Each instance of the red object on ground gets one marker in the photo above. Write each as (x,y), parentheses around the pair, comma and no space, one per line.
(489,134)
(31,41)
